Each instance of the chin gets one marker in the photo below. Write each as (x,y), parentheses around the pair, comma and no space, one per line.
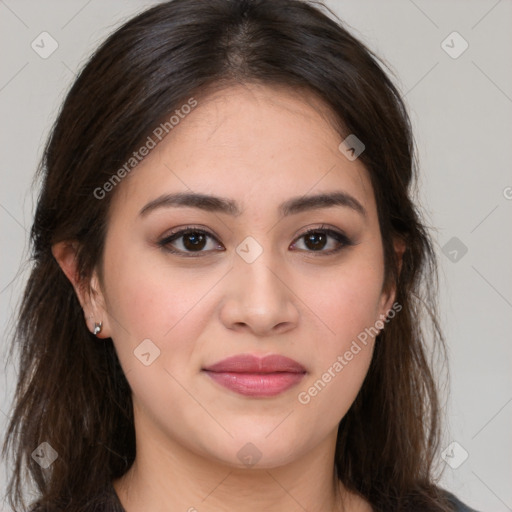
(252,451)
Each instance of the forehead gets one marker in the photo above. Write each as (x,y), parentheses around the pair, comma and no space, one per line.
(249,141)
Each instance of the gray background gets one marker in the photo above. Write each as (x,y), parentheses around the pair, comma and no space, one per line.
(462,115)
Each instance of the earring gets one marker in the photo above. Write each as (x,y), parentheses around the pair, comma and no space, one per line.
(97,328)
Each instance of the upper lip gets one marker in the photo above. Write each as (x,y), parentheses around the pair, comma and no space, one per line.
(248,363)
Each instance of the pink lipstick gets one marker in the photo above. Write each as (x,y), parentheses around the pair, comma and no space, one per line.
(256,376)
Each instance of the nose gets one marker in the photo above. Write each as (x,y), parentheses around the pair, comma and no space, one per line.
(259,297)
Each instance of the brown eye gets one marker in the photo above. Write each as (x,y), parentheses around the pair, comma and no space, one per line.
(194,241)
(316,240)
(187,241)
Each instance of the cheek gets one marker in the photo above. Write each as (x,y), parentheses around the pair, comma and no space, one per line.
(348,306)
(153,302)
(328,395)
(150,300)
(347,301)
(353,304)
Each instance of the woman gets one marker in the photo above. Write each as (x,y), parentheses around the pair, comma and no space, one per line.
(229,275)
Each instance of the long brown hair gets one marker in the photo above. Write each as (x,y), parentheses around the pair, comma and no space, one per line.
(72,392)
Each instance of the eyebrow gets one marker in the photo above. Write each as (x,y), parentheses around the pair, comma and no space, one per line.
(228,206)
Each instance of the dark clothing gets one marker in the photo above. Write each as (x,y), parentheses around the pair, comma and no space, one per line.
(459,506)
(108,501)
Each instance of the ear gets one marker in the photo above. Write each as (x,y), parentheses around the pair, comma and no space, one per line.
(88,291)
(389,289)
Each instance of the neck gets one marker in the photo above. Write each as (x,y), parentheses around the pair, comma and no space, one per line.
(168,476)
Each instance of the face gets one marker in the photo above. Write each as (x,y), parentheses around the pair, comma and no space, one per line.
(245,279)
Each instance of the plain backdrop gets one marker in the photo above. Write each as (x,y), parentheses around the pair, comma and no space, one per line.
(458,87)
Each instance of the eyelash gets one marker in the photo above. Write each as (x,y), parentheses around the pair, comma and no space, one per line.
(165,242)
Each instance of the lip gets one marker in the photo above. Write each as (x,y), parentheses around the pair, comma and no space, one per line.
(255,376)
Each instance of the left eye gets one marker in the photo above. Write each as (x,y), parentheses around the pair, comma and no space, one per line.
(192,240)
(316,239)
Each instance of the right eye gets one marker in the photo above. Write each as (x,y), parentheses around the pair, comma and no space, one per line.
(187,241)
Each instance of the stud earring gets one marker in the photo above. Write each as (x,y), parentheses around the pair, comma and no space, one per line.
(97,328)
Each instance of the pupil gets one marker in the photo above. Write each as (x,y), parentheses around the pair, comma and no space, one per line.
(194,241)
(318,240)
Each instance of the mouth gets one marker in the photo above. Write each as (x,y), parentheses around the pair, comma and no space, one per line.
(255,376)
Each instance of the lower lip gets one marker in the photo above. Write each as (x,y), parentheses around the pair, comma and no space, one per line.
(257,384)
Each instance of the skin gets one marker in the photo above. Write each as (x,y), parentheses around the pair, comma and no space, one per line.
(259,146)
